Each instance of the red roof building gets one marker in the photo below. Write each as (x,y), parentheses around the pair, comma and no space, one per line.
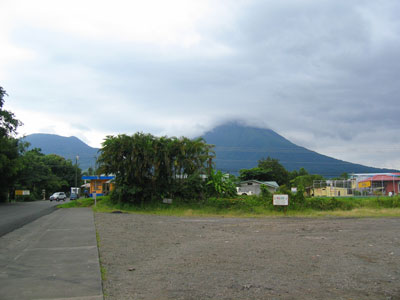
(385,183)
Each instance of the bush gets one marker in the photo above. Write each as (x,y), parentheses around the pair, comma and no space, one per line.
(331,203)
(297,200)
(388,202)
(247,203)
(25,198)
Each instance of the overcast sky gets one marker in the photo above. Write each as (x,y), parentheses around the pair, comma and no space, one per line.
(325,74)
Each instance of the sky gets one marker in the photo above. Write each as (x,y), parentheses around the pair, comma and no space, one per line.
(324,74)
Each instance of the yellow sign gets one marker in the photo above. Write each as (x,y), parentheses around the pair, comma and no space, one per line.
(22,192)
(364,184)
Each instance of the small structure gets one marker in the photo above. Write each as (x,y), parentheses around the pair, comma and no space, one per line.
(101,185)
(332,188)
(381,184)
(332,191)
(253,187)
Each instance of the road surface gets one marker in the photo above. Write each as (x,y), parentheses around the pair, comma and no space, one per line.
(15,215)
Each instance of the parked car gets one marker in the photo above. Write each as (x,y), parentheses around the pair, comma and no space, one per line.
(73,196)
(58,196)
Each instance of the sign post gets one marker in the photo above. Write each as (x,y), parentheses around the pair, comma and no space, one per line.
(167,200)
(94,197)
(281,200)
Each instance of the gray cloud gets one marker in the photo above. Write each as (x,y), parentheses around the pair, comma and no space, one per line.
(324,74)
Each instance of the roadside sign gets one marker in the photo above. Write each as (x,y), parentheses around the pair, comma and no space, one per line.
(167,201)
(293,190)
(364,184)
(281,200)
(22,192)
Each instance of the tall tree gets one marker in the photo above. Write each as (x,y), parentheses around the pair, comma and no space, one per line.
(268,169)
(51,173)
(9,148)
(148,167)
(279,173)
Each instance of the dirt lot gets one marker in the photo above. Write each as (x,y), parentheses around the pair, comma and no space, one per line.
(157,257)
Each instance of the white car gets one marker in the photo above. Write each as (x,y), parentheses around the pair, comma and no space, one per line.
(58,196)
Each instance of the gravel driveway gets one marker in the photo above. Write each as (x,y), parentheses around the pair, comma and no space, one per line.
(158,257)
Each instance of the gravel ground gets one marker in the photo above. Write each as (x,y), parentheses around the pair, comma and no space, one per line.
(158,257)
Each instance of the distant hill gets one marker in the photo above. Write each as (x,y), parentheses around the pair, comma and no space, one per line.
(239,147)
(67,147)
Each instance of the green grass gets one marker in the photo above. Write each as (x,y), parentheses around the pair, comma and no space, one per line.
(256,207)
(103,270)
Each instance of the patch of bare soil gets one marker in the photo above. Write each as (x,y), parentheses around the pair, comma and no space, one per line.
(157,257)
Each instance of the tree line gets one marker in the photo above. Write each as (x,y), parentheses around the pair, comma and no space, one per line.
(23,169)
(149,168)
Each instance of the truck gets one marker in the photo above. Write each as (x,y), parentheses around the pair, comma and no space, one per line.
(75,190)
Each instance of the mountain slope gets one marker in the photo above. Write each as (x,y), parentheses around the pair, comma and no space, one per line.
(67,147)
(238,147)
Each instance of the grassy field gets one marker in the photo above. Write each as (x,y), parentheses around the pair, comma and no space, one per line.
(255,207)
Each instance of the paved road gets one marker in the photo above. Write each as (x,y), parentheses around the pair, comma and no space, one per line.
(16,215)
(53,257)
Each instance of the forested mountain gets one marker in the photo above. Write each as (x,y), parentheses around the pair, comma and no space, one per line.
(237,147)
(67,147)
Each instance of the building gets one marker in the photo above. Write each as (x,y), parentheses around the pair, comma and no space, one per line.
(332,188)
(253,187)
(100,184)
(379,184)
(332,191)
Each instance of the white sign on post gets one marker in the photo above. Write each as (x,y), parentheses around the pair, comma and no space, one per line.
(282,200)
(167,201)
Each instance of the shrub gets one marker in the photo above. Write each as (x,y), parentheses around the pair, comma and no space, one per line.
(330,203)
(25,198)
(388,202)
(297,200)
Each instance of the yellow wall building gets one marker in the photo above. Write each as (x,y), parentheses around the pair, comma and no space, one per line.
(101,185)
(330,191)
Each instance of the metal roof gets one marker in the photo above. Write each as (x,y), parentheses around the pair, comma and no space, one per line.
(98,177)
(269,183)
(382,178)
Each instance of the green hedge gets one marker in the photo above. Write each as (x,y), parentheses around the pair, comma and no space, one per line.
(299,202)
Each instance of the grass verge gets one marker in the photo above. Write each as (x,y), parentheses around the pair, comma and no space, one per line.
(103,270)
(364,208)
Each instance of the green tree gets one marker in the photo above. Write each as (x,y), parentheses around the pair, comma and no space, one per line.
(9,149)
(148,168)
(268,169)
(278,172)
(220,185)
(305,180)
(8,122)
(51,173)
(256,173)
(65,170)
(34,174)
(303,172)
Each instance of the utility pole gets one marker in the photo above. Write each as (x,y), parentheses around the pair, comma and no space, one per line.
(76,173)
